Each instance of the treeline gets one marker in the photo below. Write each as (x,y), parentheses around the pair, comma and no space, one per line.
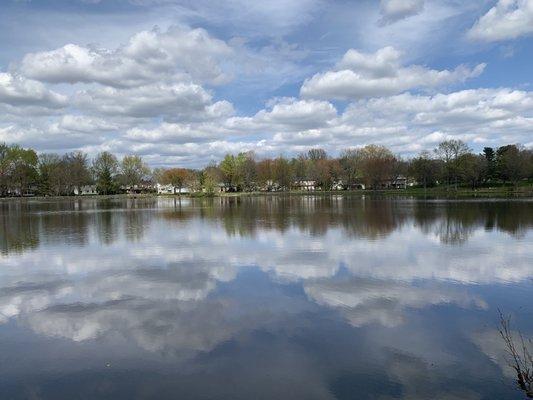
(24,172)
(452,163)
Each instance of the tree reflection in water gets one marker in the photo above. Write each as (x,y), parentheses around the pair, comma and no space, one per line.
(317,296)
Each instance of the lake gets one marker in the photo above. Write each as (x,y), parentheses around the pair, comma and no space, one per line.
(273,297)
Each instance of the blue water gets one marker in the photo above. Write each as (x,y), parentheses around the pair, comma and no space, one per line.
(275,297)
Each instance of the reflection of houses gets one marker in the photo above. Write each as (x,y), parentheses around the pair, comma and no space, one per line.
(85,190)
(171,189)
(306,186)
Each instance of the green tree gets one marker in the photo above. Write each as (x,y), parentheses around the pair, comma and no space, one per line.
(490,159)
(133,170)
(51,175)
(233,170)
(210,178)
(22,168)
(5,165)
(472,168)
(511,163)
(228,168)
(424,169)
(105,168)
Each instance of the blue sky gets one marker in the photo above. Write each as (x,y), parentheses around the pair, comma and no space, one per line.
(184,82)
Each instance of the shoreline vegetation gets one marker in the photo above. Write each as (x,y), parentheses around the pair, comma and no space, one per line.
(451,170)
(522,191)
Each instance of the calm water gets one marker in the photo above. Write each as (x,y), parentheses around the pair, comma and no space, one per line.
(261,298)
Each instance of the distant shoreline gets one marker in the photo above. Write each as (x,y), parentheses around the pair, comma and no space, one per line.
(441,192)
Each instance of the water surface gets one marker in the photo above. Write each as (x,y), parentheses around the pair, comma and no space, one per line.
(303,297)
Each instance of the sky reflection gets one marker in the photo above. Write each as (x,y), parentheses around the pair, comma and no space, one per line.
(305,297)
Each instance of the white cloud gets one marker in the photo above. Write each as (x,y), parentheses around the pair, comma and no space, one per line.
(360,75)
(394,10)
(18,91)
(54,137)
(508,19)
(149,56)
(272,18)
(193,133)
(182,101)
(409,123)
(82,123)
(175,133)
(147,96)
(297,114)
(364,301)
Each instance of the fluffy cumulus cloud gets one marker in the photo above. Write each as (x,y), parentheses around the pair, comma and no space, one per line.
(182,101)
(477,116)
(360,75)
(81,124)
(182,95)
(409,122)
(508,19)
(394,10)
(149,56)
(293,114)
(17,91)
(174,133)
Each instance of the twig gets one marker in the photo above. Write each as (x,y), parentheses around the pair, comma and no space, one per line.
(521,360)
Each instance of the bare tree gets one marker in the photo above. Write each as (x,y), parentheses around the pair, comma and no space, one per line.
(378,165)
(450,152)
(519,355)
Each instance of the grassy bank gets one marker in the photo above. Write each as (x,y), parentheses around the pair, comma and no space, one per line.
(440,191)
(434,192)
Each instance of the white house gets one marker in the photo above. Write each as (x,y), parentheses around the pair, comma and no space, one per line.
(400,182)
(143,187)
(308,186)
(170,189)
(85,190)
(338,186)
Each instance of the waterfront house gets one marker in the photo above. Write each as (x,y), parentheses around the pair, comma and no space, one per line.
(400,182)
(307,186)
(143,187)
(85,190)
(171,189)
